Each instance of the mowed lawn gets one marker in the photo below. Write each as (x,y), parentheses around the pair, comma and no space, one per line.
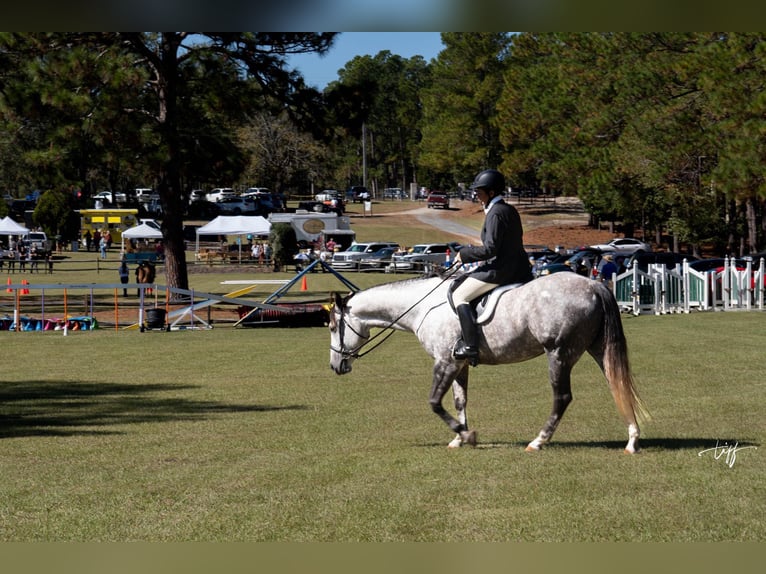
(247,435)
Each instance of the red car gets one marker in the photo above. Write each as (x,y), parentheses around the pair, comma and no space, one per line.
(438,199)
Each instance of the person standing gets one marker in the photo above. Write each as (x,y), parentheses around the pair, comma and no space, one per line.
(124,276)
(102,246)
(503,259)
(608,269)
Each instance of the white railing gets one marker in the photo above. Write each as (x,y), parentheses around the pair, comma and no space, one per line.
(660,290)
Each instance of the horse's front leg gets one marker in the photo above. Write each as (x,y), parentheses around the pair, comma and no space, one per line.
(446,373)
(460,396)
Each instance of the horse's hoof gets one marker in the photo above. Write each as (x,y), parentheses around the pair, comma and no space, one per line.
(532,448)
(468,437)
(455,443)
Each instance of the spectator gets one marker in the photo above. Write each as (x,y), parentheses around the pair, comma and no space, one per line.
(608,269)
(124,275)
(102,247)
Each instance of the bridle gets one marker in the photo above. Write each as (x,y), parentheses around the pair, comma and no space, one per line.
(344,352)
(385,332)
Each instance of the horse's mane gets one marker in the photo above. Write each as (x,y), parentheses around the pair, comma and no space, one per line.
(409,281)
(403,283)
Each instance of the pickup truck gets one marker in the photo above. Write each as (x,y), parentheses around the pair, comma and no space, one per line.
(350,259)
(36,239)
(438,199)
(421,255)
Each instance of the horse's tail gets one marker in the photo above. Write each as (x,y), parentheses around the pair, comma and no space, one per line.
(616,363)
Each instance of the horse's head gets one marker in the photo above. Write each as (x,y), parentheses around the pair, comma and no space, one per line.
(347,335)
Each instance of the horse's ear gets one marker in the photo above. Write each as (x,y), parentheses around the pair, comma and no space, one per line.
(339,300)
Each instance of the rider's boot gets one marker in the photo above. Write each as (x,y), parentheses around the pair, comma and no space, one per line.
(468,346)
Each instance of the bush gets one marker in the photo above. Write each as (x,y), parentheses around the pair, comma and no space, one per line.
(284,242)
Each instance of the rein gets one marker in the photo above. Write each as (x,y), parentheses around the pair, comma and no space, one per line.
(448,273)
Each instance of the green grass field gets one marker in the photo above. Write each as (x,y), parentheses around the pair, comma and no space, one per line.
(247,435)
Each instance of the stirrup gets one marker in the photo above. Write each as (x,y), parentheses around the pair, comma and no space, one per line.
(461,352)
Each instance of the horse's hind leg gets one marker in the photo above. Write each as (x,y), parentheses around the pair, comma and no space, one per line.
(446,373)
(560,378)
(460,395)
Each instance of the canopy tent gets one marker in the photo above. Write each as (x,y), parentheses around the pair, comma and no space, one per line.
(9,227)
(142,231)
(235,225)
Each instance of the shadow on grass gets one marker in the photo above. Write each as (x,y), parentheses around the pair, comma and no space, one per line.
(42,408)
(680,444)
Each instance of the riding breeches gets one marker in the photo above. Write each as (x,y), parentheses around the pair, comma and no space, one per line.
(469,289)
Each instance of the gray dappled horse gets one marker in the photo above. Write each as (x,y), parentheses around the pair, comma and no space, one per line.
(562,315)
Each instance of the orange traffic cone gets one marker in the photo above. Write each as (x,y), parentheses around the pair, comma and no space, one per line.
(304,285)
(25,291)
(9,290)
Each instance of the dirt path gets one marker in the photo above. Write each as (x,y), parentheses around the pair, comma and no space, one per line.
(563,222)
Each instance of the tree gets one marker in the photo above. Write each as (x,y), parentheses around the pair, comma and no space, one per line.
(55,213)
(284,242)
(381,92)
(278,152)
(460,128)
(160,75)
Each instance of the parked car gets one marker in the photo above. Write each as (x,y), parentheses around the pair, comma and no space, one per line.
(379,259)
(669,259)
(394,193)
(265,202)
(438,199)
(237,205)
(318,207)
(203,210)
(37,240)
(197,195)
(583,262)
(357,194)
(716,264)
(549,268)
(111,197)
(327,195)
(422,254)
(219,193)
(349,259)
(625,244)
(146,194)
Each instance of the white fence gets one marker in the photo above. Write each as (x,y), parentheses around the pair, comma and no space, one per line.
(660,291)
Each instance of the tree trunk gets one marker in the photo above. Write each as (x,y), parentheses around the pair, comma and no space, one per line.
(752,226)
(169,190)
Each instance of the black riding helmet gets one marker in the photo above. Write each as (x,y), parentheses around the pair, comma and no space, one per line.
(489,179)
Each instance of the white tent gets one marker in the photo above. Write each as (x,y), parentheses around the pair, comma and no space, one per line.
(235,225)
(142,231)
(9,227)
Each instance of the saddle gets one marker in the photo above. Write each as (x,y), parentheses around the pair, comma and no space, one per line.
(485,304)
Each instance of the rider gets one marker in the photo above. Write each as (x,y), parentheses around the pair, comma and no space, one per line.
(502,254)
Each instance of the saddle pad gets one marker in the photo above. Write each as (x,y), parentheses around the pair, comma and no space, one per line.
(486,306)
